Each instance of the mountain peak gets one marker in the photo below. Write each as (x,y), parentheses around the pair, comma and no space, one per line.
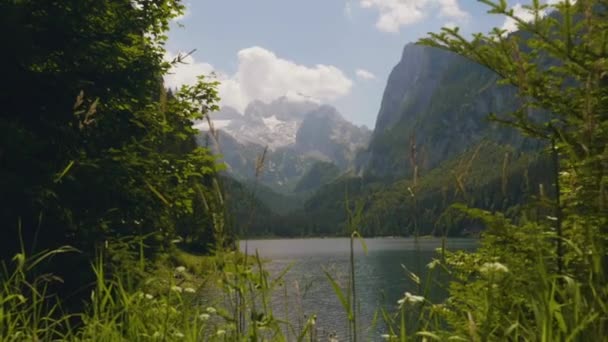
(297,134)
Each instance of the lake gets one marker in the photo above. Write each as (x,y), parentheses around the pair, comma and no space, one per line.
(380,277)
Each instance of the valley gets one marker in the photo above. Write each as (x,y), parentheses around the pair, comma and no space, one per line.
(300,164)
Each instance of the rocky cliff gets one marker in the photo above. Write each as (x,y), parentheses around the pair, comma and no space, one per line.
(435,106)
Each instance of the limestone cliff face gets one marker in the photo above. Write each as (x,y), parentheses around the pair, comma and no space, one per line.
(298,134)
(411,85)
(440,101)
(326,134)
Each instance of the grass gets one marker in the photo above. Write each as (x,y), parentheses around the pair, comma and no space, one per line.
(212,298)
(227,297)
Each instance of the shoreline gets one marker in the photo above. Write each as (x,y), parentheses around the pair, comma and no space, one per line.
(424,237)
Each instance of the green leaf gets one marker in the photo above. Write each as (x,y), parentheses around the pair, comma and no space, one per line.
(64,172)
(339,293)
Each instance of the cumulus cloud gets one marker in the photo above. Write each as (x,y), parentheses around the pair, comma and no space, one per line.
(262,75)
(185,72)
(451,9)
(396,13)
(450,25)
(519,11)
(364,74)
(523,13)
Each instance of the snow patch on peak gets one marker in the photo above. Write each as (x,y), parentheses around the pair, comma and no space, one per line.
(272,122)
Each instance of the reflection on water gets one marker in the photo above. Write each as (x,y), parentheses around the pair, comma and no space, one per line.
(380,277)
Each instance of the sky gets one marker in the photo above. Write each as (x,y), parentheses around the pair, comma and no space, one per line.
(338,52)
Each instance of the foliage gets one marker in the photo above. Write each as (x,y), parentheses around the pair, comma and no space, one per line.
(543,278)
(319,174)
(93,149)
(471,177)
(166,306)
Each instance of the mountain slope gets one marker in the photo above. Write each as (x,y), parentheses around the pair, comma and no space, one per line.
(433,115)
(294,134)
(439,102)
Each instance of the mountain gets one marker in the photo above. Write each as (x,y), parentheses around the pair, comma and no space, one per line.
(320,173)
(433,115)
(294,134)
(325,134)
(436,102)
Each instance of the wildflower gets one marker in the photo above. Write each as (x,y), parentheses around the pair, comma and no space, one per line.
(189,290)
(433,264)
(440,308)
(176,289)
(211,310)
(493,267)
(437,307)
(410,298)
(180,269)
(203,317)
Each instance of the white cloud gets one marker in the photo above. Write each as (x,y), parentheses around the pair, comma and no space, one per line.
(396,13)
(522,13)
(364,74)
(450,25)
(261,75)
(519,11)
(451,9)
(185,72)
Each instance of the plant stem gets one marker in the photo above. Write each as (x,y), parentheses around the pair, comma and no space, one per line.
(352,282)
(558,208)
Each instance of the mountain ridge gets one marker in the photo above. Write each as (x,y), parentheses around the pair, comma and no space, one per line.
(294,134)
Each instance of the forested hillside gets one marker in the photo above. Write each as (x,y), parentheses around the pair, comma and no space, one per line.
(433,146)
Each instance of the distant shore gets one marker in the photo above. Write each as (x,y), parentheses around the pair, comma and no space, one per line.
(423,237)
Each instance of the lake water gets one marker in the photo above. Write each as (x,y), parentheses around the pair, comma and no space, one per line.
(380,277)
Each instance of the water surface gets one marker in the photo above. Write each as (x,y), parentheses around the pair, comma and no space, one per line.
(380,276)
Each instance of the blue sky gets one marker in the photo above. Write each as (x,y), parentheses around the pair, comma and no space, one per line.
(335,51)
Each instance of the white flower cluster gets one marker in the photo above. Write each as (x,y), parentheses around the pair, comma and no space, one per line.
(410,298)
(493,267)
(206,315)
